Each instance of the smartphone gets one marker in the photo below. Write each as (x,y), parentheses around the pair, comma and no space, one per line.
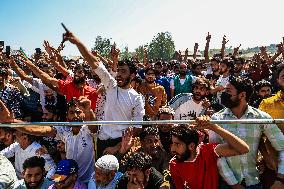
(22,51)
(2,43)
(8,51)
(67,31)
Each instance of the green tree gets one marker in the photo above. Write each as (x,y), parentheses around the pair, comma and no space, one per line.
(103,46)
(162,46)
(139,52)
(125,54)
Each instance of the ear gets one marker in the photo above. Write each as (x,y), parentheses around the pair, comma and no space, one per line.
(191,146)
(243,95)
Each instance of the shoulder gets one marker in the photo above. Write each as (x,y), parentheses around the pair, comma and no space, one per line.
(259,113)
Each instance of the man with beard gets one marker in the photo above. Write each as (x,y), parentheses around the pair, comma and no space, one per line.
(189,106)
(262,90)
(154,94)
(181,83)
(106,173)
(195,165)
(225,72)
(212,72)
(139,173)
(235,98)
(238,67)
(70,88)
(274,106)
(33,174)
(78,139)
(162,79)
(122,102)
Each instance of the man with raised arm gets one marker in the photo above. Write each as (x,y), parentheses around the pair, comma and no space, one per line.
(122,102)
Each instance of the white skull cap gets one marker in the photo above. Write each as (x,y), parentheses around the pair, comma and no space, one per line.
(107,162)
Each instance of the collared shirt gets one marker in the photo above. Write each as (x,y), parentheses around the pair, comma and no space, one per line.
(235,169)
(121,105)
(12,98)
(111,185)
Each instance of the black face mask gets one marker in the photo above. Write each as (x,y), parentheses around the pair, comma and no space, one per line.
(228,102)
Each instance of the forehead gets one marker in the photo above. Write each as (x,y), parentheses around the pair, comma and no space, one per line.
(151,137)
(123,67)
(281,74)
(230,87)
(33,170)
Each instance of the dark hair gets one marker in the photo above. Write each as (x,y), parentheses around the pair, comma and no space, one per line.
(158,63)
(229,62)
(74,102)
(216,59)
(242,84)
(8,130)
(148,131)
(79,68)
(202,81)
(280,67)
(51,108)
(194,66)
(262,83)
(185,134)
(149,69)
(131,65)
(4,72)
(239,59)
(35,161)
(139,160)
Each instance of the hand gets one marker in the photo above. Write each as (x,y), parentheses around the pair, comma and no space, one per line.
(203,122)
(85,104)
(114,53)
(41,151)
(134,184)
(127,140)
(47,47)
(95,53)
(262,49)
(280,48)
(224,41)
(208,37)
(61,47)
(71,37)
(111,150)
(206,103)
(277,185)
(237,186)
(196,46)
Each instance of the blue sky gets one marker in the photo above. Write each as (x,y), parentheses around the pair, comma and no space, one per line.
(27,23)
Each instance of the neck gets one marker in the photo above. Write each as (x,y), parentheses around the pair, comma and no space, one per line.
(128,86)
(196,101)
(240,110)
(150,84)
(226,74)
(25,145)
(193,155)
(182,76)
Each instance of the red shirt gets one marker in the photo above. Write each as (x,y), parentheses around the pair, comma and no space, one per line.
(201,173)
(68,88)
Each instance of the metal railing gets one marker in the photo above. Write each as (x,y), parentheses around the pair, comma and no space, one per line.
(158,122)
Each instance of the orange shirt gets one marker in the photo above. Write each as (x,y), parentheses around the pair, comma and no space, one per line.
(155,97)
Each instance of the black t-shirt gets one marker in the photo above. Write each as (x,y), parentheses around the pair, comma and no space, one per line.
(155,180)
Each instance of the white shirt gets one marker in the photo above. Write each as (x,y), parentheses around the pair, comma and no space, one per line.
(22,154)
(121,105)
(222,81)
(37,83)
(93,184)
(79,147)
(188,110)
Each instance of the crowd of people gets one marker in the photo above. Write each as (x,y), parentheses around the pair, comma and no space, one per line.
(48,87)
